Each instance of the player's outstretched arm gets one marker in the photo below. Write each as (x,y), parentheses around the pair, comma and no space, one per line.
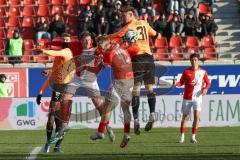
(53,53)
(42,90)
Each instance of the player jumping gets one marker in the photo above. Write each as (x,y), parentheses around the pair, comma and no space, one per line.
(143,64)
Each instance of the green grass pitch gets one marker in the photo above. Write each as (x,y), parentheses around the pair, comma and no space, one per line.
(218,143)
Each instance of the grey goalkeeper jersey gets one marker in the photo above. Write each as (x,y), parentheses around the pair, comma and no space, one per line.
(87,58)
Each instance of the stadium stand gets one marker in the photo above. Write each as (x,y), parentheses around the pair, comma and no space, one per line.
(25,14)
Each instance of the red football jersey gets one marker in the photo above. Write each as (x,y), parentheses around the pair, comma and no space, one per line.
(194,81)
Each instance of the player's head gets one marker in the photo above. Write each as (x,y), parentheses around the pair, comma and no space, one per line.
(86,40)
(194,59)
(66,37)
(130,36)
(3,78)
(103,43)
(128,14)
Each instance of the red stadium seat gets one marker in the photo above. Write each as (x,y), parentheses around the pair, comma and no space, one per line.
(28,22)
(14,11)
(210,53)
(2,23)
(29,52)
(57,2)
(10,31)
(14,2)
(176,42)
(28,33)
(71,2)
(57,39)
(14,22)
(208,41)
(3,34)
(2,45)
(72,21)
(3,12)
(84,2)
(72,25)
(192,44)
(204,8)
(74,39)
(177,56)
(176,48)
(29,2)
(72,10)
(43,42)
(29,11)
(42,59)
(57,9)
(3,3)
(162,54)
(161,43)
(43,2)
(27,58)
(43,11)
(28,44)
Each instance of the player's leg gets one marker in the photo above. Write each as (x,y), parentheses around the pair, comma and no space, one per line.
(127,119)
(138,71)
(186,109)
(196,115)
(124,91)
(110,101)
(135,106)
(63,114)
(149,80)
(93,91)
(54,103)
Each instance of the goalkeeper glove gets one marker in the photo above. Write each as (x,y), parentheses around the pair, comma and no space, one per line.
(38,99)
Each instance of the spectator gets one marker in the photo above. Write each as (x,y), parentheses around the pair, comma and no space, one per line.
(93,5)
(42,29)
(137,6)
(191,25)
(87,12)
(160,25)
(176,26)
(211,2)
(174,6)
(115,10)
(127,2)
(86,25)
(100,12)
(147,7)
(102,27)
(15,48)
(57,27)
(108,4)
(186,6)
(209,27)
(3,86)
(147,19)
(116,24)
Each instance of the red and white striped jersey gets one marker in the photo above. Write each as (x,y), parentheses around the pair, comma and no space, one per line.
(195,81)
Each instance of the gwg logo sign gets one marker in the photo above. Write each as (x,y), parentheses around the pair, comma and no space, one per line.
(25,114)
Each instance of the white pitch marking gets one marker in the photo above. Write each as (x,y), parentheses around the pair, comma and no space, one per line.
(34,153)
